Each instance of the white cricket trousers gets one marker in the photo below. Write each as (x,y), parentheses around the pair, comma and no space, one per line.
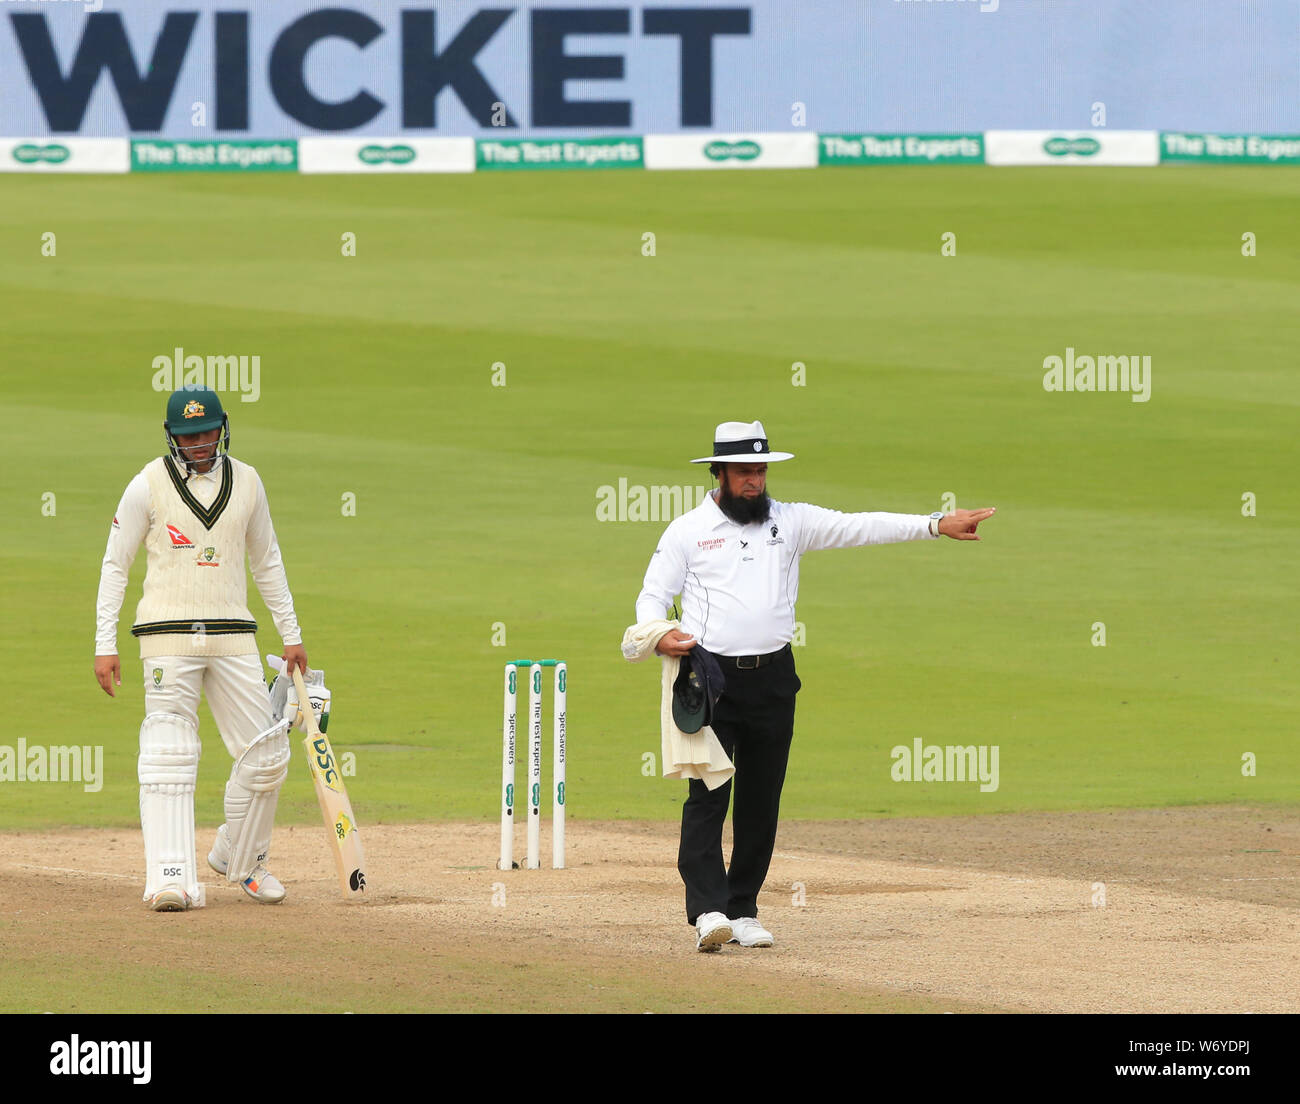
(233,685)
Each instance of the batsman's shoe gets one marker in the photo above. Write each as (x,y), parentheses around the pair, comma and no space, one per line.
(748,932)
(713,929)
(169,899)
(263,886)
(219,856)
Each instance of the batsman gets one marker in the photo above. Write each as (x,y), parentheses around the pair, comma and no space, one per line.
(198,512)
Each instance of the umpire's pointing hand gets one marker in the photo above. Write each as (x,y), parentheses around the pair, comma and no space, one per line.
(960,524)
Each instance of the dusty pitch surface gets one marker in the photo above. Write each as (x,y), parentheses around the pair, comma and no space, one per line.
(990,913)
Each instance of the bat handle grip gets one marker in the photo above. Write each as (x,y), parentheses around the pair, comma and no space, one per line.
(304,702)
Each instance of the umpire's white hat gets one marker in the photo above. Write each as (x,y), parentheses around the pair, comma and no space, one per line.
(737,442)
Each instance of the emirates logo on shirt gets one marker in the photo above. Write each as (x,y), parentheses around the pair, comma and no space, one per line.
(179,539)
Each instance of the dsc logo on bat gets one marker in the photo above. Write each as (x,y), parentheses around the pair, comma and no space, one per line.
(325,763)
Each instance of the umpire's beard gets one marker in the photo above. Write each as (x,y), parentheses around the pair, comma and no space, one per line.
(744,511)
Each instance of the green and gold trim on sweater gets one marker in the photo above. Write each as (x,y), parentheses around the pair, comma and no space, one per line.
(206,514)
(212,626)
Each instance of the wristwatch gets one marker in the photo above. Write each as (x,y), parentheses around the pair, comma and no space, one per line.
(935,518)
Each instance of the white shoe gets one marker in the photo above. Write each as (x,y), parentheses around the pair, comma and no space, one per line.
(263,886)
(714,929)
(169,899)
(748,932)
(219,856)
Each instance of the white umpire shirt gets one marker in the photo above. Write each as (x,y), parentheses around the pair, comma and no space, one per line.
(131,525)
(739,583)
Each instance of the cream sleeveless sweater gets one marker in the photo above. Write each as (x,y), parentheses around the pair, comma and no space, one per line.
(195,598)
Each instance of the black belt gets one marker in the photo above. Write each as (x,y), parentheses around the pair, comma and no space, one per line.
(750,662)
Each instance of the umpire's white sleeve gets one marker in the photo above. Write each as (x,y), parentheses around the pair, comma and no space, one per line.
(130,527)
(821,528)
(268,569)
(664,577)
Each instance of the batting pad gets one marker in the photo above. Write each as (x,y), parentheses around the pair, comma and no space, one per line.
(251,796)
(168,768)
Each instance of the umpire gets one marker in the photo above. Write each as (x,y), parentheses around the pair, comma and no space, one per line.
(734,560)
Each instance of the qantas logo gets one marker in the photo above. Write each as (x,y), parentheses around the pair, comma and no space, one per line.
(179,539)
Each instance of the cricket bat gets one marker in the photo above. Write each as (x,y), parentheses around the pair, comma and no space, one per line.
(345,840)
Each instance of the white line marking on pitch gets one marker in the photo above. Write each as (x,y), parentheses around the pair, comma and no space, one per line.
(1279,878)
(83,873)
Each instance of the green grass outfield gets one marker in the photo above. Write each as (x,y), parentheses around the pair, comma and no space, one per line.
(476,504)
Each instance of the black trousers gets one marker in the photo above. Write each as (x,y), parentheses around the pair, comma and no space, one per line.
(754,722)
